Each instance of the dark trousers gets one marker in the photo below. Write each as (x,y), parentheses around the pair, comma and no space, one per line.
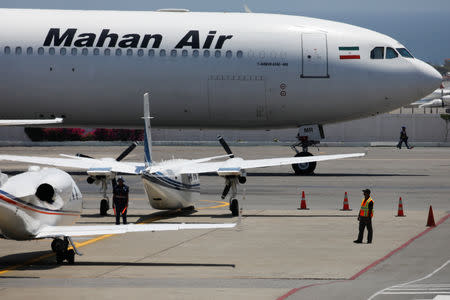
(365,222)
(119,209)
(399,145)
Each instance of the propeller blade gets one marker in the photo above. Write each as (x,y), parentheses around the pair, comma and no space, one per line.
(226,190)
(225,146)
(82,155)
(126,152)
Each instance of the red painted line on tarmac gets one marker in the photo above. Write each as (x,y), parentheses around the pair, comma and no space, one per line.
(293,291)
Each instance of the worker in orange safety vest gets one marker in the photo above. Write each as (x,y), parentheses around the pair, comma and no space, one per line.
(365,218)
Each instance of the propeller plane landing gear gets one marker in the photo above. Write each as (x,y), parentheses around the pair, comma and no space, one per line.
(60,248)
(231,183)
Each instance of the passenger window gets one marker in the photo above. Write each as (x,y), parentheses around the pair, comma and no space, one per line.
(195,53)
(73,51)
(51,51)
(184,53)
(96,51)
(377,53)
(29,50)
(118,52)
(391,53)
(7,50)
(107,52)
(173,53)
(206,53)
(62,51)
(217,53)
(84,52)
(140,52)
(239,54)
(41,51)
(129,52)
(405,53)
(18,50)
(151,52)
(162,52)
(229,54)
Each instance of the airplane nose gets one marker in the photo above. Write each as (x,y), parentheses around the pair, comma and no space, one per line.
(429,78)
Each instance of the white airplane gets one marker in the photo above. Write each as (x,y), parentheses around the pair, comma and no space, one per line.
(172,184)
(205,70)
(439,98)
(44,203)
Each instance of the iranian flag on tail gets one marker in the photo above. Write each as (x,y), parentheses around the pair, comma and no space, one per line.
(349,52)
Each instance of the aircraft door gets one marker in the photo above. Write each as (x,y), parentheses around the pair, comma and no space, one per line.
(314,55)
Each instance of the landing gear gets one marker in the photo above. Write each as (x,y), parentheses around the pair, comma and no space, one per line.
(231,183)
(104,206)
(307,136)
(60,247)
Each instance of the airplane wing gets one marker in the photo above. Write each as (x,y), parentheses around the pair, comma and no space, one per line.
(30,122)
(82,163)
(235,165)
(73,231)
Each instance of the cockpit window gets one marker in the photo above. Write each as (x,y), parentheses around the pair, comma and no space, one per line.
(377,53)
(391,53)
(405,53)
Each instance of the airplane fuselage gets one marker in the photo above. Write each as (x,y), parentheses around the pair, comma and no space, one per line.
(201,69)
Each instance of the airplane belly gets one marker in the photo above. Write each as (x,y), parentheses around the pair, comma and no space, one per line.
(164,195)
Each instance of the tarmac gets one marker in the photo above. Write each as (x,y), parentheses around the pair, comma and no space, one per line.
(275,252)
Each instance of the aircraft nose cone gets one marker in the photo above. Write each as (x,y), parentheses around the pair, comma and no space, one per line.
(430,79)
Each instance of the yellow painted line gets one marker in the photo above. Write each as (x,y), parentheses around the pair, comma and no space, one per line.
(222,204)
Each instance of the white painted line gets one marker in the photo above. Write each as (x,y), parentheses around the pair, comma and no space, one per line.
(385,291)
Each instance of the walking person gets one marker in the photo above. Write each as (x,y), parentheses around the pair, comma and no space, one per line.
(403,139)
(365,218)
(120,199)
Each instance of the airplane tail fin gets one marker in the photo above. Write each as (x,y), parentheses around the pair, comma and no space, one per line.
(147,131)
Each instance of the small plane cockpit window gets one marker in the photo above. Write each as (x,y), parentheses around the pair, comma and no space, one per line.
(7,50)
(377,53)
(391,53)
(405,53)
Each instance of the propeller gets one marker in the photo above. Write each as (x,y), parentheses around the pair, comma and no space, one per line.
(127,151)
(225,146)
(82,155)
(226,189)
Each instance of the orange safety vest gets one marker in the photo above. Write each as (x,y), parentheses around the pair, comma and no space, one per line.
(364,212)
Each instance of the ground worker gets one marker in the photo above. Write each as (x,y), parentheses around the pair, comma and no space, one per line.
(120,199)
(365,218)
(403,139)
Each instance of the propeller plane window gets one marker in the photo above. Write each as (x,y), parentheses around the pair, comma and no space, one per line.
(377,53)
(405,53)
(391,53)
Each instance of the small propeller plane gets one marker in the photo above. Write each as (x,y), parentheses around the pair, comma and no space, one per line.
(171,184)
(44,203)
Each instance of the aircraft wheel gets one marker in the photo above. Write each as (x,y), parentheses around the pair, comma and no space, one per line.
(57,245)
(70,257)
(305,168)
(104,206)
(234,207)
(59,257)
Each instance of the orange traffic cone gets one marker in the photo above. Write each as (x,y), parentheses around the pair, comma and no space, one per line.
(303,202)
(430,221)
(346,206)
(400,208)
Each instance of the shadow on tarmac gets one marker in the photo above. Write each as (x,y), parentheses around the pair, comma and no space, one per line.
(278,174)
